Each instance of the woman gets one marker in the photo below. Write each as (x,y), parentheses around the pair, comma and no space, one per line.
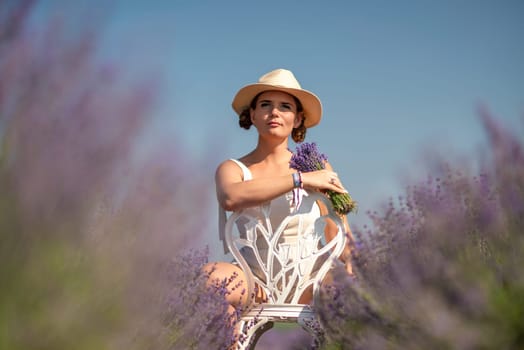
(278,108)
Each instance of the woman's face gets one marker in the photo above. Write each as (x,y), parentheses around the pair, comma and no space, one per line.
(275,114)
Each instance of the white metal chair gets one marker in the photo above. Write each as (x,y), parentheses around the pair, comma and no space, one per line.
(283,271)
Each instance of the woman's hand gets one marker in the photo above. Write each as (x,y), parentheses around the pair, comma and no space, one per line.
(322,180)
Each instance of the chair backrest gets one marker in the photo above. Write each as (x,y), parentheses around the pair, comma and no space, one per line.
(282,269)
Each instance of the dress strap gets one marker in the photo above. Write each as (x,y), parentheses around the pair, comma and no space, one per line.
(245,171)
(222,216)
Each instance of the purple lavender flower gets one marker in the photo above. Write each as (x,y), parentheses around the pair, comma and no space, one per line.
(308,158)
(87,225)
(441,267)
(196,316)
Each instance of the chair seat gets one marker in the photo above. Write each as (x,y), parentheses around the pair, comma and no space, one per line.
(261,318)
(280,312)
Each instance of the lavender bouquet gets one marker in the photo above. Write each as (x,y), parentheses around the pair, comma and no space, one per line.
(307,158)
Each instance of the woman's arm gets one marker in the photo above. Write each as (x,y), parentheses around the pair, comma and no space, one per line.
(233,193)
(331,231)
(347,253)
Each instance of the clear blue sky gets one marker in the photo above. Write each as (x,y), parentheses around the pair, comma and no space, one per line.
(395,77)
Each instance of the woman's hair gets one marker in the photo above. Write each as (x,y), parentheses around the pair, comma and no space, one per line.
(298,134)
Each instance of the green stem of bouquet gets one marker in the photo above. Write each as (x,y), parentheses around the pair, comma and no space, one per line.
(342,202)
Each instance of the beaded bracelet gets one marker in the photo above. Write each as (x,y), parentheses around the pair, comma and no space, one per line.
(297,180)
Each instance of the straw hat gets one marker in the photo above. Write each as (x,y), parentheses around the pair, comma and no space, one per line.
(281,80)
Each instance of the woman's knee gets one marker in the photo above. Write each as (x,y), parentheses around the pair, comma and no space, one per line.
(228,279)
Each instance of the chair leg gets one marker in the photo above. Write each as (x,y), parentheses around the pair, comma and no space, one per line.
(258,333)
(312,326)
(251,331)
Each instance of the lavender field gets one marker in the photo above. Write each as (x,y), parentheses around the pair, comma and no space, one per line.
(95,240)
(441,266)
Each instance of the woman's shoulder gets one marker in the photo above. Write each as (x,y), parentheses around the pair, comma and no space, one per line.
(227,165)
(232,163)
(233,168)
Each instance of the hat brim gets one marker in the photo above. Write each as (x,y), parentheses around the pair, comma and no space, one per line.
(310,102)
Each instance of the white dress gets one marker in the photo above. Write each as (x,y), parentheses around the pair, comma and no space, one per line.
(303,214)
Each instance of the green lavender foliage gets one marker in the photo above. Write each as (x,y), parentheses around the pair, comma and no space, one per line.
(342,202)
